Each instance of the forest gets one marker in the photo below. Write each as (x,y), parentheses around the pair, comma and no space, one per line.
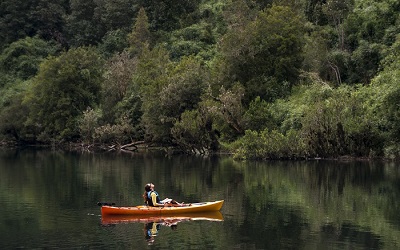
(259,79)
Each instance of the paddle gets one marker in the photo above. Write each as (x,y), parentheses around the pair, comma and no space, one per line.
(170,205)
(105,204)
(198,203)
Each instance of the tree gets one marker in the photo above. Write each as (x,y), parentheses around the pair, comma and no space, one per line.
(365,61)
(117,86)
(116,14)
(48,18)
(88,124)
(168,89)
(64,87)
(194,133)
(166,15)
(337,11)
(386,89)
(13,113)
(316,54)
(140,36)
(266,55)
(22,18)
(197,39)
(314,12)
(83,25)
(370,30)
(227,111)
(14,21)
(183,89)
(149,79)
(238,14)
(258,117)
(22,58)
(113,42)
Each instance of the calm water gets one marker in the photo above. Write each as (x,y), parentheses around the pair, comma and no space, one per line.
(48,200)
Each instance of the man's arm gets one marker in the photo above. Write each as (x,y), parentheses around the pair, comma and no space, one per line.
(154,199)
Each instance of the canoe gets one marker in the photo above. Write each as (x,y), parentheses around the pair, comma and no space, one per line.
(172,218)
(148,210)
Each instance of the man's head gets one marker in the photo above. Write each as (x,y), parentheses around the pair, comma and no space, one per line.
(149,187)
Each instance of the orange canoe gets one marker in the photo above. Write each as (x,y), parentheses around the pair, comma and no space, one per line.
(147,210)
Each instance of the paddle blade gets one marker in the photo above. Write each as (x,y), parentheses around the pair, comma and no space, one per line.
(105,204)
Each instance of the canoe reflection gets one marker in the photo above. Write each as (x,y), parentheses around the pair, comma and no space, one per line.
(163,219)
(152,224)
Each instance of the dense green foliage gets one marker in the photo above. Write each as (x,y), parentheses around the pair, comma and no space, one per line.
(64,87)
(262,79)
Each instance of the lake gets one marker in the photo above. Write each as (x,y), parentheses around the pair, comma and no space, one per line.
(49,200)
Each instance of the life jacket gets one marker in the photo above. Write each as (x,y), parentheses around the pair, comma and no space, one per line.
(150,200)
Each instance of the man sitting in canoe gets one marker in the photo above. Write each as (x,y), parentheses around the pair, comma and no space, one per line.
(151,198)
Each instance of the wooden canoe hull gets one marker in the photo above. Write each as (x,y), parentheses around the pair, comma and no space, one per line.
(147,210)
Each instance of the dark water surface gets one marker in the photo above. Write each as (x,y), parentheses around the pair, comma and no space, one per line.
(48,200)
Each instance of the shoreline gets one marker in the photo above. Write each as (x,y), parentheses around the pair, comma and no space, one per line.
(170,150)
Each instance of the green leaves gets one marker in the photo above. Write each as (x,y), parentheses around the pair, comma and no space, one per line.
(265,53)
(27,18)
(64,87)
(195,73)
(269,145)
(184,87)
(166,15)
(193,132)
(197,39)
(22,58)
(88,123)
(385,90)
(140,36)
(117,85)
(150,78)
(170,92)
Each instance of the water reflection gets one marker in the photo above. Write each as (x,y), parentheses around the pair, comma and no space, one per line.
(318,203)
(153,224)
(162,219)
(47,196)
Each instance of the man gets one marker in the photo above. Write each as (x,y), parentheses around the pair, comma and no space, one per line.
(152,198)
